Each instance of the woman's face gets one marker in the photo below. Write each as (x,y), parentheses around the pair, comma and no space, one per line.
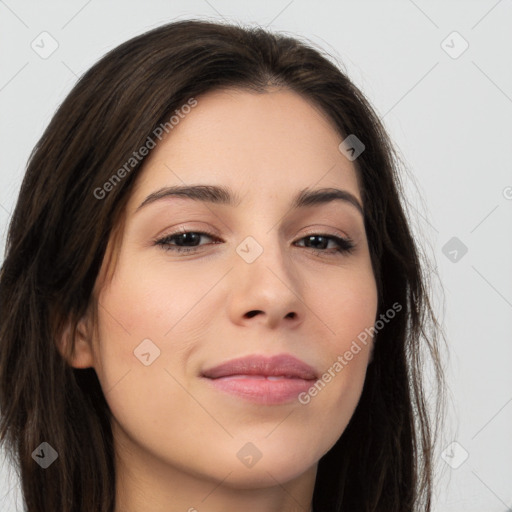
(269,279)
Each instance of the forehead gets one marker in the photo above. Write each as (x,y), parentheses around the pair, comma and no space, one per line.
(274,143)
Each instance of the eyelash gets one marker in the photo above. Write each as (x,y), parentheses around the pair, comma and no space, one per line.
(345,245)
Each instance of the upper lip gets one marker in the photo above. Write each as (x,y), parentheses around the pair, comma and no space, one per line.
(284,365)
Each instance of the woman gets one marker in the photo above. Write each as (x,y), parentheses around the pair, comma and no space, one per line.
(274,367)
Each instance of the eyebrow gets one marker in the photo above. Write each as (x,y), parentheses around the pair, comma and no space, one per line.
(225,196)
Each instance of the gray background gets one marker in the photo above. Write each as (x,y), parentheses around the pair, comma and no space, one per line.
(449,115)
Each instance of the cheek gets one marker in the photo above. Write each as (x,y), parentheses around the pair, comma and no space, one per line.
(149,324)
(147,305)
(138,352)
(348,307)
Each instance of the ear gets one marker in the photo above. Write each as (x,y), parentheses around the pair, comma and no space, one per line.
(76,347)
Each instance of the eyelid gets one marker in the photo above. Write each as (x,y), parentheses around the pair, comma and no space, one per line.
(185,228)
(325,230)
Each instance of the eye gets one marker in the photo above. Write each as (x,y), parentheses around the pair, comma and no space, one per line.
(321,241)
(183,239)
(189,241)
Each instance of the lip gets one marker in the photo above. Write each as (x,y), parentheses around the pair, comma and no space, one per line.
(265,380)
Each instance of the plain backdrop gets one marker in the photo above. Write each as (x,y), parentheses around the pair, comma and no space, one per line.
(439,74)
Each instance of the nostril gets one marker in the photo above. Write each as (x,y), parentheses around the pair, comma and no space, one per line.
(252,313)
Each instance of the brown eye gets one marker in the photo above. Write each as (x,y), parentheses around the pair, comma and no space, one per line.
(319,242)
(183,241)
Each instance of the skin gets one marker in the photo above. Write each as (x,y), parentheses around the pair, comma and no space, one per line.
(176,438)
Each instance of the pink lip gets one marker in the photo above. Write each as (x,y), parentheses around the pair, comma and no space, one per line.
(263,380)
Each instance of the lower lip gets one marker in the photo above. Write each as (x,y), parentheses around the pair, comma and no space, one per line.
(261,390)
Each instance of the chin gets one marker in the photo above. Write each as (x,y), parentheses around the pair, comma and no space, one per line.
(274,472)
(279,461)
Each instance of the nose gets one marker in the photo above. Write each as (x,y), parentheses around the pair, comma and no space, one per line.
(266,290)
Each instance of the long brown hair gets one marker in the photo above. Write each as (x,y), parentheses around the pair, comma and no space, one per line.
(58,236)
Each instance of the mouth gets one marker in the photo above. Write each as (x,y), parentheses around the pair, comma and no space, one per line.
(263,380)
